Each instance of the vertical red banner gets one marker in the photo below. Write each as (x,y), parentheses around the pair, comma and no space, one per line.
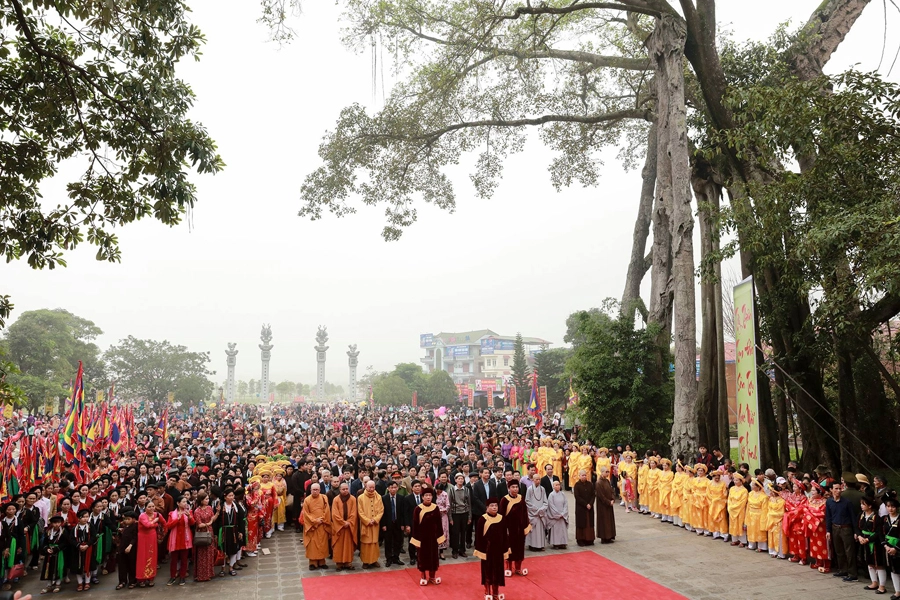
(512,396)
(415,399)
(543,399)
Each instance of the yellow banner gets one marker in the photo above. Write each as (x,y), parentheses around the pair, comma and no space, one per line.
(99,396)
(8,411)
(171,397)
(745,368)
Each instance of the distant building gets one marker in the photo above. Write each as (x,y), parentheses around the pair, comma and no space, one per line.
(480,359)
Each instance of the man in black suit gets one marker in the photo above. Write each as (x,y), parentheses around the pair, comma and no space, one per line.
(392,525)
(548,479)
(502,486)
(411,501)
(483,489)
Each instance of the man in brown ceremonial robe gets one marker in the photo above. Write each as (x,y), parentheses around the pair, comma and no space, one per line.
(492,547)
(316,525)
(343,528)
(606,517)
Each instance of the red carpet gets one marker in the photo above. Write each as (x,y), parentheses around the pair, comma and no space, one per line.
(551,577)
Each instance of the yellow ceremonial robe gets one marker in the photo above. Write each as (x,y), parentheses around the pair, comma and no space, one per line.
(737,511)
(370,508)
(653,490)
(630,468)
(574,459)
(676,493)
(557,463)
(642,484)
(687,500)
(664,493)
(699,503)
(717,499)
(774,523)
(757,517)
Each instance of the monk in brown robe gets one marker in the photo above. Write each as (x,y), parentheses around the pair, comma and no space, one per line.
(585,495)
(606,499)
(370,508)
(316,525)
(343,528)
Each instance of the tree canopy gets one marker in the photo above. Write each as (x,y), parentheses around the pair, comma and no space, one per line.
(93,84)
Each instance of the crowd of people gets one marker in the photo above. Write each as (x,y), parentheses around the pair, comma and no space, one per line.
(405,485)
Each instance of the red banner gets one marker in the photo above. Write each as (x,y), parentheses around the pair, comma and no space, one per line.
(415,399)
(471,396)
(543,399)
(512,396)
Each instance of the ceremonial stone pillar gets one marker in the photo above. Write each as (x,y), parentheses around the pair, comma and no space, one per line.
(230,361)
(354,361)
(265,336)
(321,338)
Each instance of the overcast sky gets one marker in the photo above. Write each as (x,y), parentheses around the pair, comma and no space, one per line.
(522,261)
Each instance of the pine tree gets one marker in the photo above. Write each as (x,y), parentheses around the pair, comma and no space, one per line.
(520,370)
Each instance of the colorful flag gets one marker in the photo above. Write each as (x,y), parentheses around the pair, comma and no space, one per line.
(573,395)
(162,428)
(534,406)
(415,399)
(73,431)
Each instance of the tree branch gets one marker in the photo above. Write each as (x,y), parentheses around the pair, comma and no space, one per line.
(644,8)
(595,60)
(432,136)
(823,33)
(65,62)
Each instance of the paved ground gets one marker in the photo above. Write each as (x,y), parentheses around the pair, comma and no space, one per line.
(697,567)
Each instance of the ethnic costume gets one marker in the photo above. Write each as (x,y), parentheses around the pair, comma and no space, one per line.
(889,538)
(757,518)
(229,529)
(814,518)
(82,543)
(12,539)
(869,526)
(794,524)
(53,568)
(774,525)
(492,548)
(664,486)
(426,535)
(147,547)
(717,515)
(515,515)
(737,511)
(127,554)
(204,556)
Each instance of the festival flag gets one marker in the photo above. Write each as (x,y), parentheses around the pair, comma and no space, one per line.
(162,428)
(573,395)
(371,396)
(73,430)
(112,391)
(534,407)
(415,399)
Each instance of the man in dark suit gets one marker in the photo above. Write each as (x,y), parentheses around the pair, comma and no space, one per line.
(548,479)
(410,502)
(392,525)
(483,489)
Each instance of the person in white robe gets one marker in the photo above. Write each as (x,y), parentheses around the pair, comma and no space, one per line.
(558,517)
(536,502)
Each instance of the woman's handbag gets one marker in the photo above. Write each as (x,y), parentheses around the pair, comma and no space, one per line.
(203,538)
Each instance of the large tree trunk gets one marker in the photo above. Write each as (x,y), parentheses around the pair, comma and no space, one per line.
(666,46)
(708,192)
(638,265)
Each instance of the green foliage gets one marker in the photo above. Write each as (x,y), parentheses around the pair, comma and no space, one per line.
(46,346)
(618,402)
(93,84)
(413,375)
(474,76)
(439,390)
(392,391)
(551,368)
(10,393)
(521,374)
(148,370)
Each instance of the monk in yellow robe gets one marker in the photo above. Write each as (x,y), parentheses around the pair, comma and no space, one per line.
(343,528)
(370,508)
(757,517)
(574,459)
(676,497)
(316,527)
(737,510)
(699,509)
(643,498)
(557,460)
(717,499)
(774,522)
(653,487)
(664,490)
